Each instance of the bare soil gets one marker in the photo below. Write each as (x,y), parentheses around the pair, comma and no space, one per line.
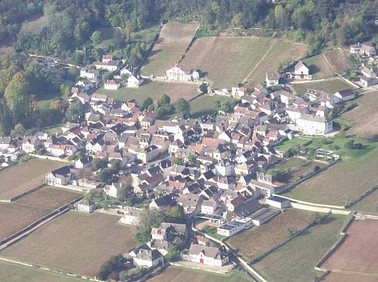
(359,252)
(337,60)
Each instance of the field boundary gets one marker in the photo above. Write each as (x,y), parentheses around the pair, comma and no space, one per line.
(325,57)
(313,204)
(266,253)
(46,269)
(27,192)
(335,246)
(34,224)
(362,196)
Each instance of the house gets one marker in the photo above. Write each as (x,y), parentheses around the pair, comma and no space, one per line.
(60,176)
(111,66)
(208,206)
(272,79)
(207,255)
(92,75)
(301,70)
(84,206)
(368,81)
(84,162)
(162,203)
(131,216)
(202,240)
(146,154)
(365,48)
(278,202)
(234,226)
(145,256)
(190,202)
(134,81)
(225,167)
(345,95)
(182,73)
(314,125)
(30,144)
(112,85)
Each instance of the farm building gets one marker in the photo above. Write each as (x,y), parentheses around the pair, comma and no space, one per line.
(264,216)
(234,226)
(85,206)
(278,202)
(345,95)
(207,255)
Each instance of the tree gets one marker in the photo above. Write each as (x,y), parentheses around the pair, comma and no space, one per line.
(75,112)
(227,107)
(148,220)
(164,100)
(183,107)
(173,253)
(203,88)
(119,39)
(146,103)
(177,214)
(105,175)
(217,105)
(99,163)
(18,102)
(96,37)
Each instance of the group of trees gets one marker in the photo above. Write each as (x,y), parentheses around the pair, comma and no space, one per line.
(22,84)
(164,106)
(75,24)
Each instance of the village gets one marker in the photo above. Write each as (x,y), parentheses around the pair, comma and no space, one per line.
(216,170)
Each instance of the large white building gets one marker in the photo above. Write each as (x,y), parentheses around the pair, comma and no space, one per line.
(314,125)
(234,226)
(181,73)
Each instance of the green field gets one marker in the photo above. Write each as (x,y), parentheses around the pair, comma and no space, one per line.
(258,239)
(295,261)
(330,86)
(293,143)
(176,274)
(341,183)
(204,105)
(18,273)
(153,90)
(319,68)
(74,242)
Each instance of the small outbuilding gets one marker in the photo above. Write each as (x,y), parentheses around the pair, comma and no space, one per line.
(278,202)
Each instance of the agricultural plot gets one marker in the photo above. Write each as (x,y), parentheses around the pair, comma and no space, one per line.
(358,253)
(258,239)
(247,58)
(293,169)
(319,68)
(154,90)
(341,183)
(291,144)
(32,207)
(175,274)
(173,41)
(18,179)
(330,86)
(337,277)
(337,60)
(295,260)
(73,242)
(205,105)
(364,117)
(368,204)
(16,273)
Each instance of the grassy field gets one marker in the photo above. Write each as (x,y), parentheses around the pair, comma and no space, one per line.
(175,274)
(258,239)
(247,58)
(173,41)
(337,60)
(73,242)
(35,25)
(368,204)
(340,183)
(330,86)
(23,177)
(18,273)
(154,90)
(364,117)
(204,105)
(295,261)
(293,143)
(44,100)
(30,208)
(319,68)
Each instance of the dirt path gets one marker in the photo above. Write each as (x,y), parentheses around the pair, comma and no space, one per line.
(261,60)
